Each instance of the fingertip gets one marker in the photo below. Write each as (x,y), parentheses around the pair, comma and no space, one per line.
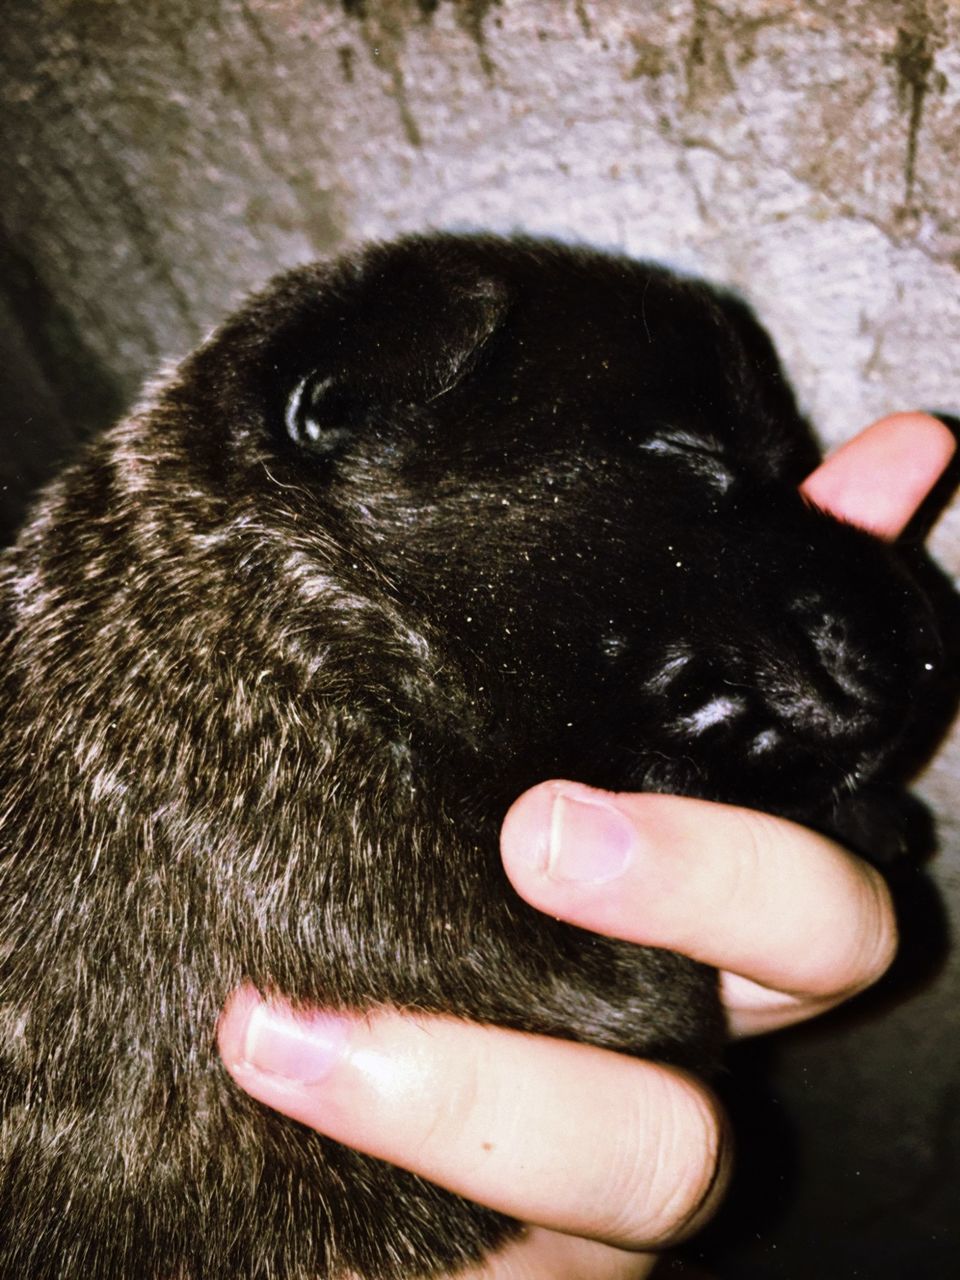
(919,429)
(879,479)
(289,1060)
(525,833)
(232,1026)
(563,843)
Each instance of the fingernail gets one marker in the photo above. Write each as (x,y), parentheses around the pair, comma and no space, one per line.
(590,840)
(302,1049)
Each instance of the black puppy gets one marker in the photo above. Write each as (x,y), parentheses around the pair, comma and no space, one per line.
(408,534)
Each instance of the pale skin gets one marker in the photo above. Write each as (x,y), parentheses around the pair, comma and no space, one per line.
(606,1157)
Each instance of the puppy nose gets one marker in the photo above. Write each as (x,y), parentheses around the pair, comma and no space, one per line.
(853,680)
(847,680)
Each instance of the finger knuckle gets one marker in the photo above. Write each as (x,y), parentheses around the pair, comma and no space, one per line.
(662,1180)
(878,936)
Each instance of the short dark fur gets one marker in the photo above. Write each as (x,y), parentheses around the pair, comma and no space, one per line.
(264,703)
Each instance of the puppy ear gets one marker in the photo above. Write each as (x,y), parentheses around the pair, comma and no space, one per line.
(405,329)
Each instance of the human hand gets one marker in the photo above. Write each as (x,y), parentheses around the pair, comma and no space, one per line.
(606,1155)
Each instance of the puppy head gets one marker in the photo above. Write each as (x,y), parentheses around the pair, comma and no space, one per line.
(568,472)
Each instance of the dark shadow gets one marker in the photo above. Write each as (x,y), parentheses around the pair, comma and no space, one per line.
(741,1243)
(54,392)
(766,1170)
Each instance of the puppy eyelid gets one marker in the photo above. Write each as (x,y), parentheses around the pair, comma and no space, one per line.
(298,427)
(293,407)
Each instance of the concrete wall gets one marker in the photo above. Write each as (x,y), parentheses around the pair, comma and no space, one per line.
(160,159)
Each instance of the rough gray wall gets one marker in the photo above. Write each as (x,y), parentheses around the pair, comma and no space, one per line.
(160,159)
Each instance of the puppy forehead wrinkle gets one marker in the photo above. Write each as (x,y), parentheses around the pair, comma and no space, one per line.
(310,579)
(661,680)
(676,440)
(319,587)
(713,712)
(764,741)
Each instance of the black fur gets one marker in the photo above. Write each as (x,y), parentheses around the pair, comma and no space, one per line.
(410,533)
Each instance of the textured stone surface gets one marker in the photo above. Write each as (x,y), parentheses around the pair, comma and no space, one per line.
(159,160)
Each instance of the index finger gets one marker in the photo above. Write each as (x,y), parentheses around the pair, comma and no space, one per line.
(739,890)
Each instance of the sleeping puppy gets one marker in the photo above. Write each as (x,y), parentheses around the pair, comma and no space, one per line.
(411,532)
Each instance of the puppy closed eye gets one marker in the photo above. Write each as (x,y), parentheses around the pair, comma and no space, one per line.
(318,416)
(701,455)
